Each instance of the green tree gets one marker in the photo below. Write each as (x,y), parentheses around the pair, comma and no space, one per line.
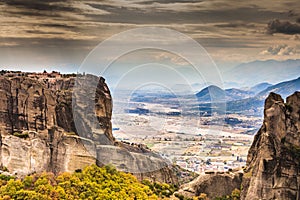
(90,183)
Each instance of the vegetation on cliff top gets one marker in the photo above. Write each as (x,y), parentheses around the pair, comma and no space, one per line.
(90,183)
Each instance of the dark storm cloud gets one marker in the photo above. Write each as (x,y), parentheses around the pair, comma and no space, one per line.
(225,43)
(156,15)
(44,5)
(38,9)
(235,25)
(59,26)
(291,13)
(285,27)
(165,12)
(168,1)
(59,43)
(125,15)
(43,32)
(24,12)
(78,25)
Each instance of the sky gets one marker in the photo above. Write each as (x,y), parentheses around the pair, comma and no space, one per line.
(59,34)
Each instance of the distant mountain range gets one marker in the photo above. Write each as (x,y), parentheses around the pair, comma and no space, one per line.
(246,100)
(284,88)
(271,71)
(215,93)
(249,101)
(260,87)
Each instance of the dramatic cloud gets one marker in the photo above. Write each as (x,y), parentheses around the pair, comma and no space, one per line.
(280,50)
(228,29)
(236,25)
(286,27)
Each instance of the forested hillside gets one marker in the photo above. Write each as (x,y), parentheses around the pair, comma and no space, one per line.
(93,182)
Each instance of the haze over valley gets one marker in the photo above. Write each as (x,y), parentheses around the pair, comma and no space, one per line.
(189,131)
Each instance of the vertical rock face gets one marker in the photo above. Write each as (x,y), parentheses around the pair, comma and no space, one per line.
(46,123)
(273,163)
(37,128)
(28,104)
(213,185)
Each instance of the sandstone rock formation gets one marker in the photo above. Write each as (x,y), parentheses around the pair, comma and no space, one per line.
(213,185)
(46,123)
(37,128)
(273,163)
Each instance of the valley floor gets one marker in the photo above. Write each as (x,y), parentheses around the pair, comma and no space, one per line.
(191,142)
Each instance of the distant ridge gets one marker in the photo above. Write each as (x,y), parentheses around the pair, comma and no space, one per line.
(247,102)
(260,87)
(216,93)
(256,103)
(209,93)
(284,88)
(271,71)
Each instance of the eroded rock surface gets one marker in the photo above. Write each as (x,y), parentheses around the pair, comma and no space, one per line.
(273,163)
(213,185)
(37,127)
(54,124)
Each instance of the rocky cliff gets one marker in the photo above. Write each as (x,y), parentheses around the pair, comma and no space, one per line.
(213,185)
(37,128)
(42,129)
(273,163)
